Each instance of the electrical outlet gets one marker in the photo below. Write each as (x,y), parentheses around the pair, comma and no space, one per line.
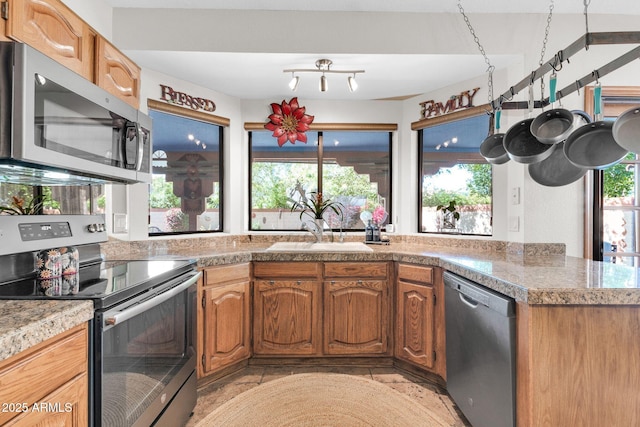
(515,196)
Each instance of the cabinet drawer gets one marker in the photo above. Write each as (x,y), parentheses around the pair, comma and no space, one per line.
(286,269)
(414,273)
(355,269)
(31,376)
(227,273)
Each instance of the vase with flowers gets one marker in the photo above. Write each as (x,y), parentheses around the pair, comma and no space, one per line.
(315,207)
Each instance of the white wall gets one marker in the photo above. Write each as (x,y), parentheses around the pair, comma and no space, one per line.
(97,13)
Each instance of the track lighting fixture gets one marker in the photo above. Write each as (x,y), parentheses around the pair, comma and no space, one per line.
(323,66)
(353,84)
(293,84)
(323,83)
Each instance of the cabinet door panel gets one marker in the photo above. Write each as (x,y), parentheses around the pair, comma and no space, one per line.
(116,73)
(356,317)
(286,317)
(226,317)
(52,28)
(415,324)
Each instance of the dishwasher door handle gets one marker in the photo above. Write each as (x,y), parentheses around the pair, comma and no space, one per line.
(468,301)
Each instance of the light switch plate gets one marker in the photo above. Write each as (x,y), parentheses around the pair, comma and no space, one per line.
(120,223)
(514,223)
(515,196)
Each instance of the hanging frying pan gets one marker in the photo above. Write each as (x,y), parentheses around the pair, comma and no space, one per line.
(555,125)
(492,148)
(592,146)
(556,170)
(521,145)
(626,130)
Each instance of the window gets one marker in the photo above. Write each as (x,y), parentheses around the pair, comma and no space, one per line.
(52,200)
(615,191)
(453,173)
(351,167)
(185,194)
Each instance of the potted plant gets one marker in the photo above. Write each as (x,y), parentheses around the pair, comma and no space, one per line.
(315,207)
(19,207)
(449,215)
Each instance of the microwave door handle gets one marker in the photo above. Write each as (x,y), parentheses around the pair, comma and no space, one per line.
(111,320)
(140,141)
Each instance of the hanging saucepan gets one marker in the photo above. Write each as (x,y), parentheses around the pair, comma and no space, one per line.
(492,148)
(555,125)
(592,146)
(556,170)
(521,145)
(626,130)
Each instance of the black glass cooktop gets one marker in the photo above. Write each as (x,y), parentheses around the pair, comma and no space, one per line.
(106,283)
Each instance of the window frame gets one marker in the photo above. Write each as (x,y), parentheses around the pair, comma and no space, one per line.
(223,123)
(435,121)
(320,128)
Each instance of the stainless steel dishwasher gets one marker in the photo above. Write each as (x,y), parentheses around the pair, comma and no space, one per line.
(480,331)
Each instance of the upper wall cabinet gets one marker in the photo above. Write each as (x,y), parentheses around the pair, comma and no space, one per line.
(55,30)
(52,28)
(116,73)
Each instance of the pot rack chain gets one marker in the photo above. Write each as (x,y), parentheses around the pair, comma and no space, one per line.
(588,39)
(544,44)
(490,68)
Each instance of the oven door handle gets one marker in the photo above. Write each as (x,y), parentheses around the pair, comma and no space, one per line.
(118,317)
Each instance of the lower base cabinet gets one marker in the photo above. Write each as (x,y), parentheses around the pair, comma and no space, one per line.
(356,308)
(48,384)
(420,334)
(225,317)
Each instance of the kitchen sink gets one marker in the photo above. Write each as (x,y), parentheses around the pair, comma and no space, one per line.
(319,247)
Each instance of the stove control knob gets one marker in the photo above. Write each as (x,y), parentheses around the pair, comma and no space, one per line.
(92,228)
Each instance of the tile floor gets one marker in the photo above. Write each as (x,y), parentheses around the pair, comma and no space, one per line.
(423,392)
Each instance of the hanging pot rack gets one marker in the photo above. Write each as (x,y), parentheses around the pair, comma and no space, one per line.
(505,102)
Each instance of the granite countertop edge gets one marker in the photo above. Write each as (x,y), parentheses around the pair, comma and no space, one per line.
(27,323)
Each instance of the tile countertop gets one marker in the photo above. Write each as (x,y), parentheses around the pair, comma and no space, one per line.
(27,323)
(532,279)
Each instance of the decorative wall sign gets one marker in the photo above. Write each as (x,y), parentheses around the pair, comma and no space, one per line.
(289,122)
(180,98)
(456,102)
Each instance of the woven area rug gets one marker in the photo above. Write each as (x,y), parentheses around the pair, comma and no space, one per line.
(321,399)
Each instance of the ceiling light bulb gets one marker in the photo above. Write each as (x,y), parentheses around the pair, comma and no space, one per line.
(293,84)
(446,144)
(191,137)
(454,140)
(353,84)
(323,83)
(438,146)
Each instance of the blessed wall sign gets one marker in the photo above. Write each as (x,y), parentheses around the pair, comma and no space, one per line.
(431,108)
(180,98)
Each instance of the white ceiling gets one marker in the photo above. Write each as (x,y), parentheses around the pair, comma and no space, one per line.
(386,77)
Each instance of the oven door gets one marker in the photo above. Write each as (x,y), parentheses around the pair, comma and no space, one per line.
(145,356)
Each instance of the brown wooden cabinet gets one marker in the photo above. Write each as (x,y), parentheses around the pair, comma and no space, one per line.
(356,309)
(116,73)
(286,309)
(420,335)
(53,372)
(224,318)
(55,30)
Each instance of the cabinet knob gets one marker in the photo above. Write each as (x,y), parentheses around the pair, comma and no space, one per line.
(298,282)
(271,282)
(359,282)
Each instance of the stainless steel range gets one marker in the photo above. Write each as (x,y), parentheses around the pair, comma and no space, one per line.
(142,345)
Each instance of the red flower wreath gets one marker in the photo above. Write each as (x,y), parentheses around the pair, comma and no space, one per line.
(289,122)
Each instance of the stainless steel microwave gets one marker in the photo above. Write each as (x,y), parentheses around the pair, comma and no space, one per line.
(57,128)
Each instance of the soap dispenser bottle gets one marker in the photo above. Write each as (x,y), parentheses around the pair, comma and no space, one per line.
(368,232)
